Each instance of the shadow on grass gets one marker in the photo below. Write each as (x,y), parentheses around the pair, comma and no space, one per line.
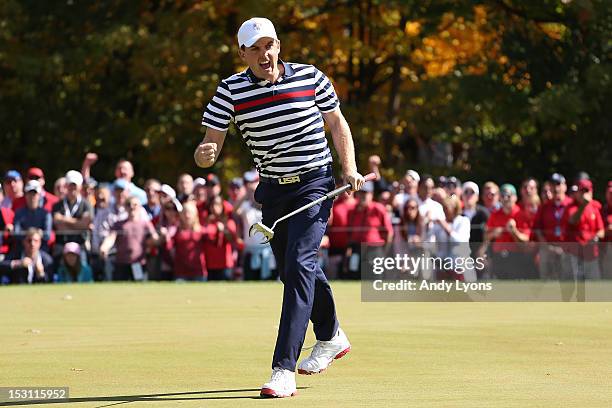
(126,399)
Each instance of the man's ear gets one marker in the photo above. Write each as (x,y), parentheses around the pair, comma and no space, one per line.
(241,53)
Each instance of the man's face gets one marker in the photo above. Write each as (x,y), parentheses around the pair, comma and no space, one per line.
(121,196)
(559,189)
(102,197)
(124,170)
(490,196)
(32,243)
(262,57)
(185,184)
(213,190)
(72,191)
(548,192)
(426,189)
(13,186)
(409,183)
(364,197)
(508,199)
(32,199)
(530,188)
(470,197)
(199,192)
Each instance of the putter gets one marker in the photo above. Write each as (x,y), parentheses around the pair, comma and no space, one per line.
(268,232)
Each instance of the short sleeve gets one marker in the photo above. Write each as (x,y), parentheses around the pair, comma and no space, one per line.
(220,111)
(325,94)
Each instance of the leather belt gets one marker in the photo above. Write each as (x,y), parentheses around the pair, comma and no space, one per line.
(299,178)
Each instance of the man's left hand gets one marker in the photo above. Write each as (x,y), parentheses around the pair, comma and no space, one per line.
(355,179)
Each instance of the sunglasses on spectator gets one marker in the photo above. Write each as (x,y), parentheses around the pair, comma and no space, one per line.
(468,192)
(585,190)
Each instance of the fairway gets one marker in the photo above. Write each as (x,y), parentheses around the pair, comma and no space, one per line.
(210,345)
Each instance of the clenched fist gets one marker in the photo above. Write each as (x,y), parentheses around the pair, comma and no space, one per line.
(205,154)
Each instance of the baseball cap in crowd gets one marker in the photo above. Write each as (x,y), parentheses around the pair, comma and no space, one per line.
(582,175)
(470,185)
(585,185)
(368,187)
(212,179)
(72,248)
(121,184)
(199,182)
(35,173)
(415,176)
(557,178)
(236,182)
(251,176)
(74,177)
(12,175)
(32,185)
(177,204)
(253,29)
(506,189)
(167,190)
(452,180)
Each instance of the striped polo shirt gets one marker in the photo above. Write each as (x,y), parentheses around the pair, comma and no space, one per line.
(280,122)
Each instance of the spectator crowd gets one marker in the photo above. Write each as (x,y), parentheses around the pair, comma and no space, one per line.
(197,230)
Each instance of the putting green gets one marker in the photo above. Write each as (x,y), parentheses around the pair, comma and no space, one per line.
(210,345)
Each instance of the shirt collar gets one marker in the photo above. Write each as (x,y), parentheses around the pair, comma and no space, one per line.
(288,72)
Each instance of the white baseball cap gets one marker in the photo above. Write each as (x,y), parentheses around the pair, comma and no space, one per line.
(33,185)
(253,29)
(169,191)
(414,175)
(470,185)
(74,177)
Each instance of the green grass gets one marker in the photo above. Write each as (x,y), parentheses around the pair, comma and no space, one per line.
(112,343)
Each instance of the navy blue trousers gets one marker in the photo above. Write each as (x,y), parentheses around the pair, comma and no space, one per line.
(306,294)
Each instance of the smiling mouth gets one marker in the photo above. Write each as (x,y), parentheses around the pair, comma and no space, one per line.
(265,65)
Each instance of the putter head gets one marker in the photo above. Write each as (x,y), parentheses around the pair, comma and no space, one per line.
(265,231)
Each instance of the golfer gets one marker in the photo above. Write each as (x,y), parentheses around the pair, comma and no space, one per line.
(279,108)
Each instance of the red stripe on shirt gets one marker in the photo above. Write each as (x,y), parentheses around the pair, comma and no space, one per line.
(278,97)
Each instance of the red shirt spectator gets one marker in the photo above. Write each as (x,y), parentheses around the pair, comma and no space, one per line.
(189,258)
(583,223)
(220,233)
(47,200)
(606,213)
(500,219)
(338,226)
(584,231)
(548,219)
(508,226)
(218,244)
(369,221)
(6,226)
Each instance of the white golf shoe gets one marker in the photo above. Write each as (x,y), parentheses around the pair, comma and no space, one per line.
(281,384)
(324,353)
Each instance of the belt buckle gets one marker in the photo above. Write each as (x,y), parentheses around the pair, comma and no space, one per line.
(289,180)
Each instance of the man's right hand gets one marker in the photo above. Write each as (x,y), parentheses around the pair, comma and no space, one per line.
(205,154)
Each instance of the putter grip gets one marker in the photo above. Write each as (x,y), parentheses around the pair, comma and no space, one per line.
(340,190)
